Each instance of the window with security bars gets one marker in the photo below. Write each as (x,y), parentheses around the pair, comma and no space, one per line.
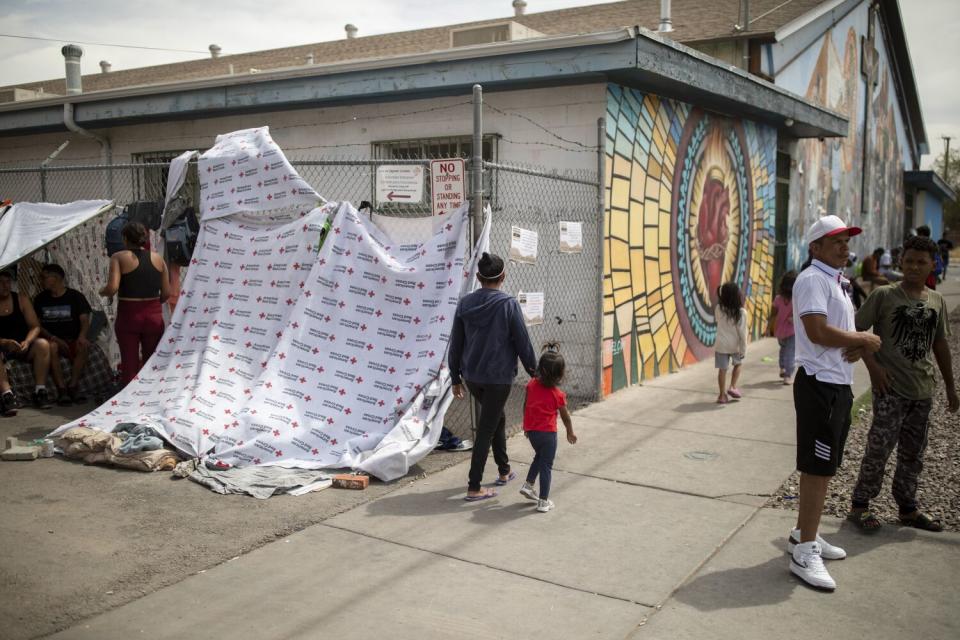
(437,148)
(150,183)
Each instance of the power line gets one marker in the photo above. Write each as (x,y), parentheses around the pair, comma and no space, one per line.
(99,44)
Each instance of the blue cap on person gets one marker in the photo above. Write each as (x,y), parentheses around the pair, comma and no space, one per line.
(829,226)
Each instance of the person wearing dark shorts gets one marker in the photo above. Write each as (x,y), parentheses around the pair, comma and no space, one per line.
(64,316)
(488,336)
(827,344)
(20,338)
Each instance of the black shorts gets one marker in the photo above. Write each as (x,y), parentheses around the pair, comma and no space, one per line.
(823,422)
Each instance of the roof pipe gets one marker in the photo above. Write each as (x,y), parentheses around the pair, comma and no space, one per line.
(71,58)
(106,150)
(666,22)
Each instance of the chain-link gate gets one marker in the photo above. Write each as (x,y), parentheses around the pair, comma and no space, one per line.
(535,199)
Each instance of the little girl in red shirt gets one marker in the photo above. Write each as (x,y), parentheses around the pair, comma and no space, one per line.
(544,401)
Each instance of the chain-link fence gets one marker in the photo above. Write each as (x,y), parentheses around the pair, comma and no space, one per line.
(534,199)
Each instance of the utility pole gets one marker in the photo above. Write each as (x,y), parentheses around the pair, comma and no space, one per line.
(946,160)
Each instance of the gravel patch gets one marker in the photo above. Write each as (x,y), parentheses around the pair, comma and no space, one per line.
(939,492)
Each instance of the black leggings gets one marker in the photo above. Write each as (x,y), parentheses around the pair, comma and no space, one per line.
(491,430)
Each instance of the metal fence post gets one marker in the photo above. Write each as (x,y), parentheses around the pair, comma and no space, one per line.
(601,211)
(43,183)
(476,164)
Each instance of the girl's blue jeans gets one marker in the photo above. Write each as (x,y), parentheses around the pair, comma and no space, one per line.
(545,450)
(787,357)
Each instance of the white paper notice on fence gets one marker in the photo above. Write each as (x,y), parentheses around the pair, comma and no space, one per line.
(531,304)
(523,245)
(571,237)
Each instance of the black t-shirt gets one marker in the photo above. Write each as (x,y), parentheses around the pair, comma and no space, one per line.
(61,316)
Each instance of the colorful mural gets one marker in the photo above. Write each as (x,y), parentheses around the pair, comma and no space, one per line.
(848,71)
(690,205)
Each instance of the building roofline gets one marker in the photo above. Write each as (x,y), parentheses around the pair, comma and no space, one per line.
(909,95)
(931,181)
(632,56)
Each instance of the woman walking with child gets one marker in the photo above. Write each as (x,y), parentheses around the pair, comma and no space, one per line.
(731,343)
(488,336)
(544,401)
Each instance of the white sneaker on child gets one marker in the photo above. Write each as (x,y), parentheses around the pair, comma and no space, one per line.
(528,492)
(544,505)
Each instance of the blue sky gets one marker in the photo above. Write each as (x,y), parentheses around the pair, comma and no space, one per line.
(251,25)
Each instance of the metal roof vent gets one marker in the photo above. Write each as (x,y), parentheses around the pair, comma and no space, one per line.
(214,50)
(105,66)
(519,7)
(71,57)
(666,22)
(309,58)
(351,31)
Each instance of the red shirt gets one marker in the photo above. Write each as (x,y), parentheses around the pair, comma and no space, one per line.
(540,413)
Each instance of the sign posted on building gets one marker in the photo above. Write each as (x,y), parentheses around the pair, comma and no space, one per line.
(447,185)
(401,183)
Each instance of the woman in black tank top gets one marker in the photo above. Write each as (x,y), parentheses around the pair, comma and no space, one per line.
(143,287)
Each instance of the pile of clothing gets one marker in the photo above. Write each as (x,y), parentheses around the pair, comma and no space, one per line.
(132,446)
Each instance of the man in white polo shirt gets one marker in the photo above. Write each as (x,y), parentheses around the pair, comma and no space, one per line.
(827,345)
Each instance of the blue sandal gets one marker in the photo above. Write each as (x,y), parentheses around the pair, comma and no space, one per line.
(500,481)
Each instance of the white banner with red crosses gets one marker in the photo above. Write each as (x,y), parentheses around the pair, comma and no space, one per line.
(279,355)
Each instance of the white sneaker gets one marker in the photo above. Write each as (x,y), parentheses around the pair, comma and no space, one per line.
(544,505)
(807,564)
(828,551)
(527,492)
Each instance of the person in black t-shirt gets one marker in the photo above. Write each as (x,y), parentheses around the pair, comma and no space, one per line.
(64,316)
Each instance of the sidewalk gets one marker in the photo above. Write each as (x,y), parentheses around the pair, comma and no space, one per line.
(659,532)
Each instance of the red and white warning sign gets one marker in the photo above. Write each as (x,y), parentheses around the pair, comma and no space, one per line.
(447,184)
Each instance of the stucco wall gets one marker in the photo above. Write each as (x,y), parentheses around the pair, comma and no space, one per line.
(832,176)
(690,205)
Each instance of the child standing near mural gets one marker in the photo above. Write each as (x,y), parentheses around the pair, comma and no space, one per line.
(781,325)
(731,344)
(544,401)
(488,336)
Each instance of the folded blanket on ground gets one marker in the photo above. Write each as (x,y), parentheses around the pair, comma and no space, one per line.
(259,482)
(99,447)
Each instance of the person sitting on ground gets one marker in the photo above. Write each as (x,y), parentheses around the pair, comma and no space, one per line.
(20,337)
(911,321)
(141,278)
(871,270)
(890,265)
(8,401)
(64,315)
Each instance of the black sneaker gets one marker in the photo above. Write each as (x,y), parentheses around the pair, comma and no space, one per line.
(64,398)
(41,399)
(76,395)
(8,405)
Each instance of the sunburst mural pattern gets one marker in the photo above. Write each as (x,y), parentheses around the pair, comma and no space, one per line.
(690,205)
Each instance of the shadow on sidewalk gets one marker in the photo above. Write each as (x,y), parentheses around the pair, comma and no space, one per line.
(771,582)
(698,407)
(506,506)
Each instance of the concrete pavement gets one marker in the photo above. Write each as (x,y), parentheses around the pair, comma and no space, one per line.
(659,532)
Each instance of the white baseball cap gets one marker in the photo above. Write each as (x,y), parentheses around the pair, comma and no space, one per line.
(829,226)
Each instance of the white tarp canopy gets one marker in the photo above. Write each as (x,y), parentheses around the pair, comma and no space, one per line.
(28,226)
(280,354)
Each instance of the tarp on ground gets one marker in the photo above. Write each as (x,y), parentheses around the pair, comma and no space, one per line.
(280,355)
(28,226)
